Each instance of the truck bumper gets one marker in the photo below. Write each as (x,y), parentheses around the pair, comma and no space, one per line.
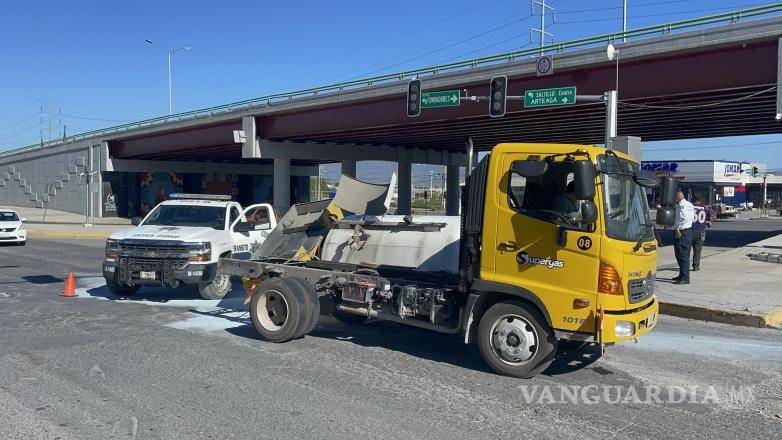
(166,273)
(621,326)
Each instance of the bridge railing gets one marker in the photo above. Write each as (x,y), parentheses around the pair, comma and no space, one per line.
(660,29)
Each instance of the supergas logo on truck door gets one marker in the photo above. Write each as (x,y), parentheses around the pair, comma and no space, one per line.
(525,258)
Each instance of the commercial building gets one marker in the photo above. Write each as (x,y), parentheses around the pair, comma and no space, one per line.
(720,181)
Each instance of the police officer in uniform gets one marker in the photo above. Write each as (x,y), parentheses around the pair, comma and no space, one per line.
(685,213)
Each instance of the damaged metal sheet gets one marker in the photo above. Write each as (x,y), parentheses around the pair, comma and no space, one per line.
(361,198)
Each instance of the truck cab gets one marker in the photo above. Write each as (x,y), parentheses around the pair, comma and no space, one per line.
(590,276)
(180,242)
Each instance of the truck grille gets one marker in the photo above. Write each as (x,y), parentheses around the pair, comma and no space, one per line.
(641,288)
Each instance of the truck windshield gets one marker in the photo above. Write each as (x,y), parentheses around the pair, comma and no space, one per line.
(187,215)
(625,207)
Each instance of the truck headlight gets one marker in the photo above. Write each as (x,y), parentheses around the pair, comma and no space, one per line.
(200,252)
(624,329)
(112,248)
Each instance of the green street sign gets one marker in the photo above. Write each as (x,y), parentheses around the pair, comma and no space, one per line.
(445,98)
(550,97)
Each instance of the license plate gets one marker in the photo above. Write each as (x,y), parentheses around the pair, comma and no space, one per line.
(146,275)
(650,320)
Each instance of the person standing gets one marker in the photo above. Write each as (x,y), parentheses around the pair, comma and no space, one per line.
(685,213)
(702,219)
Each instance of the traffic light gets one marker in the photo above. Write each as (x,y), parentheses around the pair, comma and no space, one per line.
(414,98)
(498,94)
(754,171)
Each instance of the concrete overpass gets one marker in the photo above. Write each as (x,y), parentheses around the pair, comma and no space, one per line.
(706,82)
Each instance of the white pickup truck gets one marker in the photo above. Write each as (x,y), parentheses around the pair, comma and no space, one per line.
(180,242)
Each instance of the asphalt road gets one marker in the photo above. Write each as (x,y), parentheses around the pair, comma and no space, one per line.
(168,365)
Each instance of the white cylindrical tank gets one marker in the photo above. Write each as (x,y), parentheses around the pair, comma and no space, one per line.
(406,245)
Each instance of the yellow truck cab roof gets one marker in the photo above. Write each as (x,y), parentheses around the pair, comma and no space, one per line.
(546,149)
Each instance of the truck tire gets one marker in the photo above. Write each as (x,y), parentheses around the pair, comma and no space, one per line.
(217,289)
(278,310)
(515,340)
(121,289)
(311,303)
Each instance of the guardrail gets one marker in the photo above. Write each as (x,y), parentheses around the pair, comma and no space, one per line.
(268,100)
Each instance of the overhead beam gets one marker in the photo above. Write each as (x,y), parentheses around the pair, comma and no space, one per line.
(137,165)
(353,152)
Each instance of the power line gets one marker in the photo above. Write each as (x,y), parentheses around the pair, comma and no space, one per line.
(688,107)
(664,14)
(86,118)
(609,8)
(21,122)
(431,52)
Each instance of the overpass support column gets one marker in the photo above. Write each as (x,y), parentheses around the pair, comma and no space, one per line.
(404,202)
(779,80)
(282,184)
(452,190)
(349,168)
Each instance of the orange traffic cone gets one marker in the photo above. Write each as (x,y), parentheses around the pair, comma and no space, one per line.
(70,286)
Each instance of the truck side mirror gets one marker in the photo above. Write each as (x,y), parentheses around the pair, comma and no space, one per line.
(588,212)
(666,216)
(668,191)
(135,221)
(584,178)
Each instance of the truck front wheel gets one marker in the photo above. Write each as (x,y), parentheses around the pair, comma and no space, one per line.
(515,340)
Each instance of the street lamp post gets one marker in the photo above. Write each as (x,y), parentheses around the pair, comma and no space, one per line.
(169,52)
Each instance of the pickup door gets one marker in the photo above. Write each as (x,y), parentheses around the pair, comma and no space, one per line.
(263,219)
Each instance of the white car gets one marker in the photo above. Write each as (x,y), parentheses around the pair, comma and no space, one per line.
(180,242)
(12,228)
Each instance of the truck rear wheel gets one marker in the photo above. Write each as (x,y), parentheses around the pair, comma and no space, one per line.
(280,311)
(311,303)
(217,289)
(515,340)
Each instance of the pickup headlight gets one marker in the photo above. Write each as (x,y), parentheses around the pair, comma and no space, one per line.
(200,252)
(112,248)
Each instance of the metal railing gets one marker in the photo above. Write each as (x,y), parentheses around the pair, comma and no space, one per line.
(661,29)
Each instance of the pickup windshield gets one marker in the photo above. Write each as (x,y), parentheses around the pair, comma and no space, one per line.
(625,207)
(187,215)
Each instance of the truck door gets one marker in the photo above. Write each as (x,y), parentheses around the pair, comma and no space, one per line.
(527,249)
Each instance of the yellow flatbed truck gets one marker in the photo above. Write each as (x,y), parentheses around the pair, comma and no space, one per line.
(553,242)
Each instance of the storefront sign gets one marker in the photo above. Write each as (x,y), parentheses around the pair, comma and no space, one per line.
(728,191)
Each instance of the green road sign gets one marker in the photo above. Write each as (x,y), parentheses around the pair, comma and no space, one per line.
(446,98)
(550,97)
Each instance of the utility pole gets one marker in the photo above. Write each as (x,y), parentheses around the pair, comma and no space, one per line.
(52,112)
(542,30)
(624,20)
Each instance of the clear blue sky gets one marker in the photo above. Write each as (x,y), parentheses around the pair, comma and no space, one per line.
(89,59)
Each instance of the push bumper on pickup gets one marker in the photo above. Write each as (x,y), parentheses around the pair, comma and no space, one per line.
(170,264)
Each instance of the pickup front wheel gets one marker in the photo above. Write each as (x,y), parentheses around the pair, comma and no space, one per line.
(217,289)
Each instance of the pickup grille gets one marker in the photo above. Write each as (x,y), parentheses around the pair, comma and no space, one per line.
(153,250)
(154,264)
(640,289)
